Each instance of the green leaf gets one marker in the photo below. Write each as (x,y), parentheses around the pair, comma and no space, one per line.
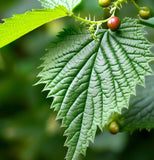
(18,25)
(140,114)
(149,22)
(69,4)
(90,79)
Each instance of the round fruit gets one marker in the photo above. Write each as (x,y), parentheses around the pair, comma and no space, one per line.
(113,127)
(144,12)
(104,3)
(113,23)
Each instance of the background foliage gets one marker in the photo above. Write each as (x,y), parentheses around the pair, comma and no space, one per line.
(28,130)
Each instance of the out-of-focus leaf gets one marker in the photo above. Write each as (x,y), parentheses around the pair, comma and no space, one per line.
(140,114)
(19,25)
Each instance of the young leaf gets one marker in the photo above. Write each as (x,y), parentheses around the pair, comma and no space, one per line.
(141,111)
(19,25)
(91,79)
(149,22)
(69,4)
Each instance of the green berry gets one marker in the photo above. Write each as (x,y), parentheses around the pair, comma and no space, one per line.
(144,12)
(113,128)
(113,23)
(104,3)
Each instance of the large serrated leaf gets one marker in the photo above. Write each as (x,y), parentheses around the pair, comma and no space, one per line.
(18,25)
(69,4)
(90,79)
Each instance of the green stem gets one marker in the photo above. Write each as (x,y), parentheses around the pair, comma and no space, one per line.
(95,22)
(101,21)
(82,19)
(90,22)
(135,4)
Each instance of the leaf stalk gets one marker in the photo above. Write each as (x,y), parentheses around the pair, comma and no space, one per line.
(113,10)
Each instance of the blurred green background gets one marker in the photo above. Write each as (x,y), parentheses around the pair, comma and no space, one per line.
(28,130)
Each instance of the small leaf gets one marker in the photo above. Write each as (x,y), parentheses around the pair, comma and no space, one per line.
(149,22)
(69,4)
(90,80)
(18,25)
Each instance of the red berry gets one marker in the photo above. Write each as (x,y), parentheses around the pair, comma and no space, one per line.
(113,128)
(113,23)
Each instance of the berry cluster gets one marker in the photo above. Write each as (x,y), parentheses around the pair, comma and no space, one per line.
(114,22)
